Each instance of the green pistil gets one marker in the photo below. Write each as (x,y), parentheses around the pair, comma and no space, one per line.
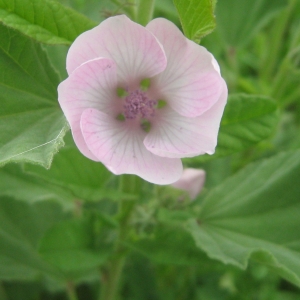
(122,93)
(161,103)
(145,84)
(120,117)
(146,125)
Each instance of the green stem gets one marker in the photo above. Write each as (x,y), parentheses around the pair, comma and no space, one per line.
(277,34)
(110,284)
(145,11)
(231,55)
(71,291)
(130,9)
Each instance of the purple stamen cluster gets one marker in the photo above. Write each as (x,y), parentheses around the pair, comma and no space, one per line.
(138,104)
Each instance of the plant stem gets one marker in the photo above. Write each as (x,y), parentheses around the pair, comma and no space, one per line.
(145,11)
(71,291)
(278,32)
(110,288)
(110,284)
(130,9)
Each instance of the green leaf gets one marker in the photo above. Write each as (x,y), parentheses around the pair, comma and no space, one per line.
(57,55)
(70,246)
(247,120)
(21,227)
(81,177)
(45,21)
(21,186)
(239,21)
(255,214)
(196,17)
(31,122)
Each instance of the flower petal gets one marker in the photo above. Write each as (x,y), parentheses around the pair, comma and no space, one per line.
(175,136)
(119,146)
(191,82)
(92,85)
(135,50)
(192,181)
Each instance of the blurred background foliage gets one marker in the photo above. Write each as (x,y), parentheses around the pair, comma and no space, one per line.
(257,44)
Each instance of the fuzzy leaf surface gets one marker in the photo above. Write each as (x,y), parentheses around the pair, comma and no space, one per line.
(196,17)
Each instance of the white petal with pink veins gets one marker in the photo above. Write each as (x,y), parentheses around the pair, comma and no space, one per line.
(92,85)
(135,50)
(119,146)
(211,119)
(176,136)
(173,135)
(191,83)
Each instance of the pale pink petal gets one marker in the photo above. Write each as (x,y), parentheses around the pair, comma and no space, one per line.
(92,85)
(210,120)
(215,64)
(191,83)
(175,136)
(192,181)
(119,146)
(135,50)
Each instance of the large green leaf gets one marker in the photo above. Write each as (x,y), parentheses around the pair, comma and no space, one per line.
(21,227)
(31,122)
(196,17)
(247,120)
(255,213)
(46,21)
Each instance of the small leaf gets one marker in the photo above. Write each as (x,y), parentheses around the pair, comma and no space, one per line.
(31,122)
(255,214)
(45,21)
(247,120)
(196,17)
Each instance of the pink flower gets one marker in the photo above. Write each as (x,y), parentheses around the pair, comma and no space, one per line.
(192,181)
(140,98)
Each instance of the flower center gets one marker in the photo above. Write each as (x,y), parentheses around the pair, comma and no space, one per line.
(138,105)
